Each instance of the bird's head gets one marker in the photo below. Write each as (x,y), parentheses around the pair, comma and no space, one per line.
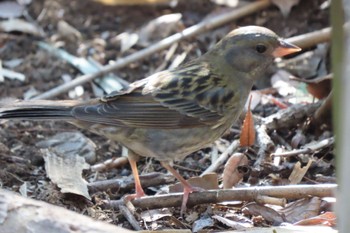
(251,49)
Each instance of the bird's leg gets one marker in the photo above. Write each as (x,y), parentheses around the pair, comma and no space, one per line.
(188,188)
(138,188)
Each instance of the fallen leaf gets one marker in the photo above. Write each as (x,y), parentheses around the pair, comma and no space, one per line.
(66,172)
(202,223)
(231,174)
(327,219)
(299,172)
(208,181)
(247,137)
(301,209)
(67,31)
(267,213)
(127,40)
(78,144)
(233,224)
(319,87)
(159,28)
(154,215)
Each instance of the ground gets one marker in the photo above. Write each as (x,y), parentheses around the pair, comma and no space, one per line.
(98,24)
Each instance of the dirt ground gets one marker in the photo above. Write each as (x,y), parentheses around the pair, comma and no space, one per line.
(21,161)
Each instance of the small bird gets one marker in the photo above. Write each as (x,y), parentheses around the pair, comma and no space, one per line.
(173,113)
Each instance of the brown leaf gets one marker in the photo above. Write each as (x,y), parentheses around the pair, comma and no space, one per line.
(247,137)
(320,90)
(231,175)
(208,181)
(319,87)
(328,219)
(267,213)
(299,172)
(301,209)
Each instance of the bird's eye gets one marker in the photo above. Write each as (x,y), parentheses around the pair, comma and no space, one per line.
(260,48)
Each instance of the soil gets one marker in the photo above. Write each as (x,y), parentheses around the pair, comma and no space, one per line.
(20,159)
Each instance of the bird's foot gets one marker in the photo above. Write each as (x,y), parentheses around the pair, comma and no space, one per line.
(138,194)
(188,189)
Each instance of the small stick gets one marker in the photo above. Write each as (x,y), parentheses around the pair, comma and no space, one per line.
(266,146)
(288,117)
(307,148)
(222,158)
(126,184)
(237,194)
(310,39)
(130,217)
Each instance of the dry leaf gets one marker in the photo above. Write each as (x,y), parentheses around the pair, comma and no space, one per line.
(66,172)
(285,6)
(328,219)
(67,31)
(231,175)
(71,144)
(202,223)
(299,172)
(267,213)
(233,224)
(319,87)
(208,181)
(159,28)
(154,215)
(302,209)
(247,137)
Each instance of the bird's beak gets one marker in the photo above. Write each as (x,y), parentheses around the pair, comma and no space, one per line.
(284,49)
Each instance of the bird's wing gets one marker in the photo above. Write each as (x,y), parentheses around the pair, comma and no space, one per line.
(171,99)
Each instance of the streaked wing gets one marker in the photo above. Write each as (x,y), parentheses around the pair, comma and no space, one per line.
(180,98)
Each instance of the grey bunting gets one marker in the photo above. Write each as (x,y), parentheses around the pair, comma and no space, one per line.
(175,112)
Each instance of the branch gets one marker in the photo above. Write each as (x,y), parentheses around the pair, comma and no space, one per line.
(125,184)
(241,194)
(289,117)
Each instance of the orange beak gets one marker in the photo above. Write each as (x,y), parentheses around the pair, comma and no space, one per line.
(284,49)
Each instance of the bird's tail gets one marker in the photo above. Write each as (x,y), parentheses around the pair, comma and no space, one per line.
(37,109)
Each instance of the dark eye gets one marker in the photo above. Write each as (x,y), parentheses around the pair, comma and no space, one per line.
(260,48)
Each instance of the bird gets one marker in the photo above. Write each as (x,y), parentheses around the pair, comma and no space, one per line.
(172,113)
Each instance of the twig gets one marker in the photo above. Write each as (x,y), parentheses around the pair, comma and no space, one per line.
(130,217)
(223,157)
(307,148)
(241,194)
(266,146)
(310,39)
(110,163)
(125,184)
(187,33)
(289,117)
